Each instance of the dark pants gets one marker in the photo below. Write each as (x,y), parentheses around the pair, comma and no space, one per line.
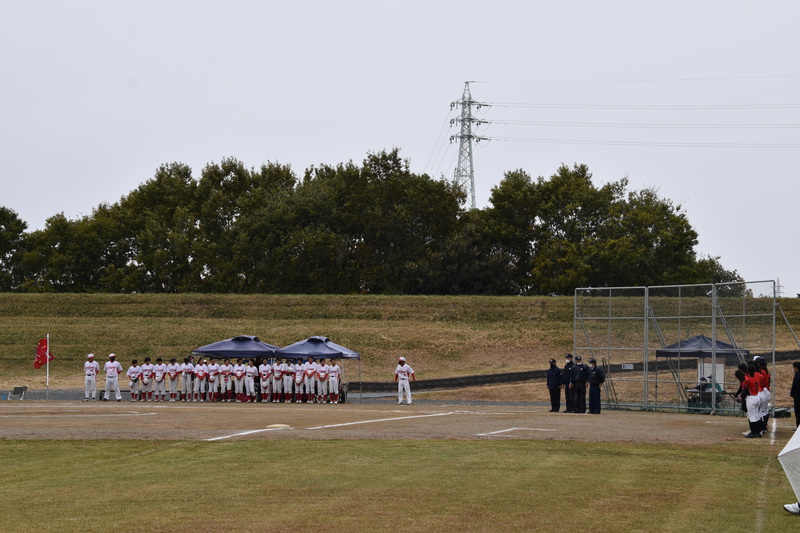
(579,389)
(569,398)
(594,399)
(797,412)
(555,399)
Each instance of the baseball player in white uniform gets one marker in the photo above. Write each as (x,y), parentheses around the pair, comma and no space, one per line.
(187,371)
(113,369)
(265,380)
(213,380)
(299,379)
(225,384)
(250,373)
(277,380)
(334,373)
(322,381)
(238,380)
(402,374)
(159,379)
(310,370)
(174,373)
(200,376)
(147,380)
(288,378)
(90,368)
(134,374)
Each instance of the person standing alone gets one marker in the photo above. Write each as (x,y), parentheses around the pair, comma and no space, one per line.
(402,374)
(554,386)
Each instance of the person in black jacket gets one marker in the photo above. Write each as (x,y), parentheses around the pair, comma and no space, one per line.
(566,383)
(596,378)
(554,386)
(580,372)
(796,392)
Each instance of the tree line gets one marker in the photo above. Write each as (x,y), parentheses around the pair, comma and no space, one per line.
(373,228)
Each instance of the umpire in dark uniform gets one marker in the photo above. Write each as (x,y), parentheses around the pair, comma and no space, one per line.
(580,373)
(596,378)
(566,383)
(554,386)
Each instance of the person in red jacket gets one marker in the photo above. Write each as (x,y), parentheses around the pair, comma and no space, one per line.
(752,385)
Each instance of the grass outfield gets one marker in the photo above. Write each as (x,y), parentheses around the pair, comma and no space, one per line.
(335,485)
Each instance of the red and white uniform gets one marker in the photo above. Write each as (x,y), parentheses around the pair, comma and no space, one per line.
(238,380)
(226,381)
(288,379)
(147,380)
(250,373)
(134,374)
(187,371)
(159,380)
(213,380)
(200,377)
(90,369)
(322,383)
(112,369)
(334,374)
(174,373)
(310,378)
(278,370)
(265,380)
(299,379)
(752,385)
(403,373)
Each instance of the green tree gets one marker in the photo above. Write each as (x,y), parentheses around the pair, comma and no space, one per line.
(12,229)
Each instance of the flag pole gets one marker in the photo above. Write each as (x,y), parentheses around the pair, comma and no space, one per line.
(47,358)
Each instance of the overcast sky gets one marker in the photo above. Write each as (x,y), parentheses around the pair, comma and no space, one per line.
(97,94)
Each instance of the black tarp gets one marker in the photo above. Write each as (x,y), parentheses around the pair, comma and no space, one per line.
(244,346)
(700,346)
(318,348)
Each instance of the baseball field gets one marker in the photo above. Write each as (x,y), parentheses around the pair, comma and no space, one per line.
(442,464)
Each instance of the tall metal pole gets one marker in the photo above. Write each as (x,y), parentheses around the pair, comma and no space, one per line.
(464,174)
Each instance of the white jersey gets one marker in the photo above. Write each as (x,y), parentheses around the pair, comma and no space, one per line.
(251,371)
(173,369)
(134,372)
(278,369)
(226,371)
(213,371)
(112,369)
(335,372)
(298,372)
(238,371)
(265,369)
(147,370)
(200,371)
(310,368)
(159,371)
(187,369)
(91,368)
(403,371)
(322,372)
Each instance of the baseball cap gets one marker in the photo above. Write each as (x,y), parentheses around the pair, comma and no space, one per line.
(577,357)
(592,360)
(112,355)
(552,360)
(568,355)
(401,359)
(90,356)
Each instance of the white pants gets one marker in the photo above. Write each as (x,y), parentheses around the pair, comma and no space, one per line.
(238,385)
(287,384)
(186,385)
(333,386)
(90,387)
(173,385)
(213,384)
(199,385)
(225,385)
(753,411)
(159,387)
(322,388)
(265,386)
(277,387)
(112,383)
(403,386)
(250,385)
(309,384)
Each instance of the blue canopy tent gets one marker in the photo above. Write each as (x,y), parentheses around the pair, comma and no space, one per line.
(700,346)
(320,348)
(244,346)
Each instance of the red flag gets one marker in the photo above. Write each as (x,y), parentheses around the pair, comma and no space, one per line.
(42,355)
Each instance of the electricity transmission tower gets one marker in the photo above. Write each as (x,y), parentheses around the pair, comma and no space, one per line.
(464,175)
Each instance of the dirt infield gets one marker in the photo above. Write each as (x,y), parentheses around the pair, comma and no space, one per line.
(221,422)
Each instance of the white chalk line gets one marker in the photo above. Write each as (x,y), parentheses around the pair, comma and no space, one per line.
(243,433)
(499,433)
(77,416)
(380,420)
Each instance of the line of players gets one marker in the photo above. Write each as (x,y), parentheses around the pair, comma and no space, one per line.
(282,381)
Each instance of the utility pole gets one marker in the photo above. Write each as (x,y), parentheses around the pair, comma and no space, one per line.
(464,175)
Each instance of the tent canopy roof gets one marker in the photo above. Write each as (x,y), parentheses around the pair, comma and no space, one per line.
(700,346)
(318,348)
(241,346)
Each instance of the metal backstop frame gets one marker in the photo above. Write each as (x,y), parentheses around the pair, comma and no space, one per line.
(629,329)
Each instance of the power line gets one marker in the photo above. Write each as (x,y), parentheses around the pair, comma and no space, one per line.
(646,143)
(693,107)
(644,80)
(639,125)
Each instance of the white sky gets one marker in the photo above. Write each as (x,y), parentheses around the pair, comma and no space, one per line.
(95,95)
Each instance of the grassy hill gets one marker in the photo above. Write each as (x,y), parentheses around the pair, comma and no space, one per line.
(442,336)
